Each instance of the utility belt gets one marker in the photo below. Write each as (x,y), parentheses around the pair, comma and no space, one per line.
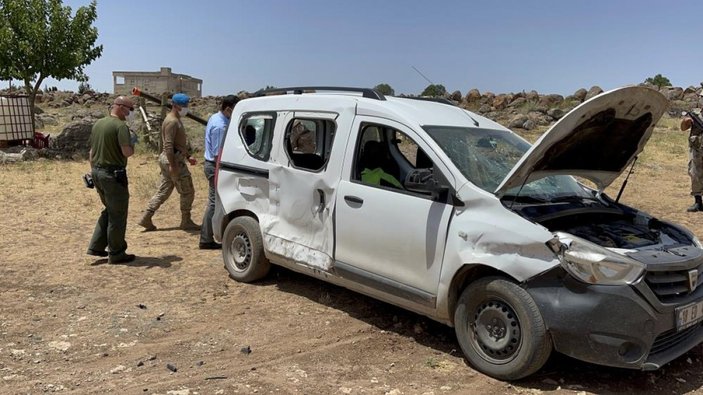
(118,172)
(109,167)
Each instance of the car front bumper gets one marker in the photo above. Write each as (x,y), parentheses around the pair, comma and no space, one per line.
(619,326)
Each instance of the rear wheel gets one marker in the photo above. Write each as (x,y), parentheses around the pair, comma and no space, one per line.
(243,250)
(500,329)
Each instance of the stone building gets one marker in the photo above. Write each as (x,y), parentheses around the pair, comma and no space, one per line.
(156,82)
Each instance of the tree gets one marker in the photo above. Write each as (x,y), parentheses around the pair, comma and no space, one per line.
(41,39)
(658,80)
(384,89)
(434,90)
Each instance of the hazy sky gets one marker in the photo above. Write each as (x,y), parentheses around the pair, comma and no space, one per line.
(552,46)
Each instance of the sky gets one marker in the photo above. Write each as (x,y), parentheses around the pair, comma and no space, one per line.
(551,46)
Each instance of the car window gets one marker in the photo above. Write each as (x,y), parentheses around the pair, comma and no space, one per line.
(485,157)
(384,156)
(256,132)
(308,142)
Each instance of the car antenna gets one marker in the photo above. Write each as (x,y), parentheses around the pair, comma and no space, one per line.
(432,83)
(622,188)
(422,75)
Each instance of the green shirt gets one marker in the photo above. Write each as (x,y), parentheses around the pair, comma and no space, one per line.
(107,136)
(379,177)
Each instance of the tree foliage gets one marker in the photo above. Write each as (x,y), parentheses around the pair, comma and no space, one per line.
(384,89)
(434,90)
(658,80)
(41,39)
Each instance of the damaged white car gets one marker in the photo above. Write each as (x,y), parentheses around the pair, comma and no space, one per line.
(446,213)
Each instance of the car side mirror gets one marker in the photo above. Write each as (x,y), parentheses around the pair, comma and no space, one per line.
(424,181)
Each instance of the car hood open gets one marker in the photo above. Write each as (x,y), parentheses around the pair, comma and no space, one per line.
(596,140)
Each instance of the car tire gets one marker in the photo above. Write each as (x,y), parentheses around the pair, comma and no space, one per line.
(243,250)
(500,329)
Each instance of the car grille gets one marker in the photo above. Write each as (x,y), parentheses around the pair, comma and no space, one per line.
(671,338)
(669,286)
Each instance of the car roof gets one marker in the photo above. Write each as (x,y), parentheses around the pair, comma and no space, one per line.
(411,112)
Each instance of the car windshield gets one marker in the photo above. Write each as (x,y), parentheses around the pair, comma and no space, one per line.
(486,156)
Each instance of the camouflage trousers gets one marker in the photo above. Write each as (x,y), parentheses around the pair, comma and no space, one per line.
(695,170)
(183,183)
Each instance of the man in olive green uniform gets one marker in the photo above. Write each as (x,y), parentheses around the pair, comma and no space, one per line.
(174,170)
(695,159)
(110,146)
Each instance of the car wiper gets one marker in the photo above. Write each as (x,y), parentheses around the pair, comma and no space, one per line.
(574,198)
(524,199)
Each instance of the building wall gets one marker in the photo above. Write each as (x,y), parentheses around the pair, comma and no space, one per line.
(156,83)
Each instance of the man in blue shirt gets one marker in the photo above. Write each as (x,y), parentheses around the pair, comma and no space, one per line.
(214,132)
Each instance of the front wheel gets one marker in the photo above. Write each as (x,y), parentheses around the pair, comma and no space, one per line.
(243,250)
(500,329)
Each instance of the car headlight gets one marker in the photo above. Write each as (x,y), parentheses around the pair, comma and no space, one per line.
(593,264)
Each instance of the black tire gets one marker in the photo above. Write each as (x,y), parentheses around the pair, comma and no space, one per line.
(243,250)
(500,329)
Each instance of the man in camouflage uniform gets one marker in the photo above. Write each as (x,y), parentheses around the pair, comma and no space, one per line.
(695,158)
(174,170)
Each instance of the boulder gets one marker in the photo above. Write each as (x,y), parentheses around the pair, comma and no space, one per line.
(518,121)
(594,91)
(501,101)
(74,137)
(580,94)
(532,95)
(473,96)
(456,96)
(555,113)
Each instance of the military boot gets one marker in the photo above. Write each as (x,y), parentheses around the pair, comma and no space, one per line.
(146,221)
(187,223)
(697,206)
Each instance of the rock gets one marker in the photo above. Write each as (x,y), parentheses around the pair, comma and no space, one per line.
(517,121)
(532,95)
(594,91)
(518,102)
(60,345)
(672,93)
(551,100)
(456,96)
(529,125)
(484,109)
(245,350)
(555,113)
(473,96)
(118,369)
(46,119)
(501,101)
(74,137)
(171,367)
(550,382)
(580,94)
(142,306)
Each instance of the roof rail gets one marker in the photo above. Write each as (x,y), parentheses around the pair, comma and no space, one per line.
(366,92)
(434,99)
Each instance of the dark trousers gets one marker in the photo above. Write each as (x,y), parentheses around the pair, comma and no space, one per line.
(112,224)
(206,227)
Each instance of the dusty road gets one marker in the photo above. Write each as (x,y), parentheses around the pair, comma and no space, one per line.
(173,322)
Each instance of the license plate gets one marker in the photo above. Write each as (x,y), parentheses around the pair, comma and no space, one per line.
(689,315)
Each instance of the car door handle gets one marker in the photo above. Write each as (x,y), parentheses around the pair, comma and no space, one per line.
(354,199)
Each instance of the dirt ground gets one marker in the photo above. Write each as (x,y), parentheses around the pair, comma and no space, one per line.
(172,322)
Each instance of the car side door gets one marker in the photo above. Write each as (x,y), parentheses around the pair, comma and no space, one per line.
(388,237)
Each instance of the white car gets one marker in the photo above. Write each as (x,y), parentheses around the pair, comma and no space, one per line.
(446,213)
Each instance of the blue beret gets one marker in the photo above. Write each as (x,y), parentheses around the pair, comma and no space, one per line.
(180,99)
